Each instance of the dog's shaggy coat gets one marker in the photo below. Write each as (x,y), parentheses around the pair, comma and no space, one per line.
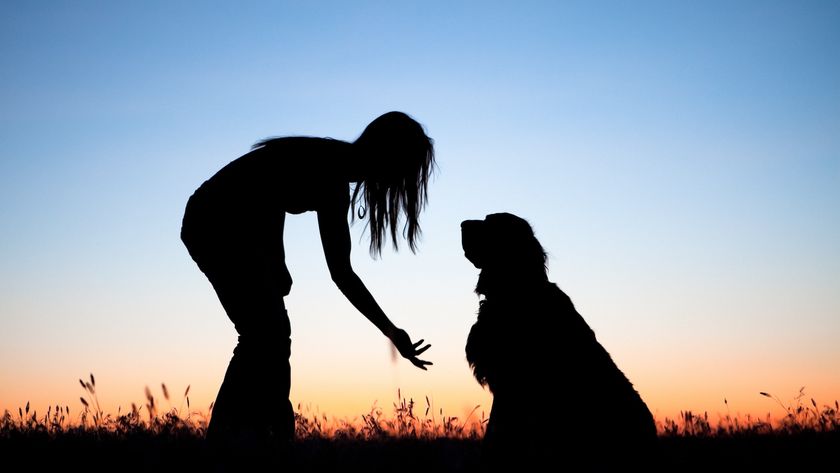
(556,391)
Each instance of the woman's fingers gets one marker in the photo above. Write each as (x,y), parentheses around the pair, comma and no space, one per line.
(419,351)
(420,363)
(416,350)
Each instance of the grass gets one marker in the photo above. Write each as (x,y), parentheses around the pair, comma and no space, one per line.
(412,437)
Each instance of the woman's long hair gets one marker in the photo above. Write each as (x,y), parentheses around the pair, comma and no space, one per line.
(401,158)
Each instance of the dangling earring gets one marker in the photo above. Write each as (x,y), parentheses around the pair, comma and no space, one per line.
(361,211)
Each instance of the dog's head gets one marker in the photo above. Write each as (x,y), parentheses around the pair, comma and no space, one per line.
(504,248)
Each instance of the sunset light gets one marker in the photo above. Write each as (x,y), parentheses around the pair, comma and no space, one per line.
(679,163)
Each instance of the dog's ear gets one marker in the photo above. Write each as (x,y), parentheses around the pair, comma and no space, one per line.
(512,243)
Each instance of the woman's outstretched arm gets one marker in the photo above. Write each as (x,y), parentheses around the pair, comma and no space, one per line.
(335,238)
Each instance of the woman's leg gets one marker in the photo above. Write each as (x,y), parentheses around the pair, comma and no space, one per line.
(251,280)
(253,399)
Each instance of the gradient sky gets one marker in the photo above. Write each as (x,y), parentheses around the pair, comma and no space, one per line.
(680,161)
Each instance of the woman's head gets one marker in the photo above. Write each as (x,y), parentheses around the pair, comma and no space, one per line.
(399,158)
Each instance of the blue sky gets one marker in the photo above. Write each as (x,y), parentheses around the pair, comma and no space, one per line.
(680,162)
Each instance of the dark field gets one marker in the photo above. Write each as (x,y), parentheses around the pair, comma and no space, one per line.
(184,451)
(806,439)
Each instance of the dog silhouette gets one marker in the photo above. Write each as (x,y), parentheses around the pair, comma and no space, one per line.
(557,394)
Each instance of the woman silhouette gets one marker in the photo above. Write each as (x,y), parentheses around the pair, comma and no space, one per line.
(233,229)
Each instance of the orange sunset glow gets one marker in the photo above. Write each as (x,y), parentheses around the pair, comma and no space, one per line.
(678,163)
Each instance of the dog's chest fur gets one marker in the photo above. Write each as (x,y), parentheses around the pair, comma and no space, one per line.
(519,332)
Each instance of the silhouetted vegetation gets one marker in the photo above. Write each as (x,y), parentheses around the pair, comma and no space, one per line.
(411,437)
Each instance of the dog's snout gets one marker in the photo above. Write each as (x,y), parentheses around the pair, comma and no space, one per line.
(470,230)
(471,225)
(471,240)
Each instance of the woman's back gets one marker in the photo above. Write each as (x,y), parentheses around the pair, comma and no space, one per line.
(293,174)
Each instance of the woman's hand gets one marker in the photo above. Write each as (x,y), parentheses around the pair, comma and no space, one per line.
(409,351)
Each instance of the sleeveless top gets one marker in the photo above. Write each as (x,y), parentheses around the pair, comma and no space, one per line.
(251,193)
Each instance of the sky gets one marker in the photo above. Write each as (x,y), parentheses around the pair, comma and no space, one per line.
(680,162)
